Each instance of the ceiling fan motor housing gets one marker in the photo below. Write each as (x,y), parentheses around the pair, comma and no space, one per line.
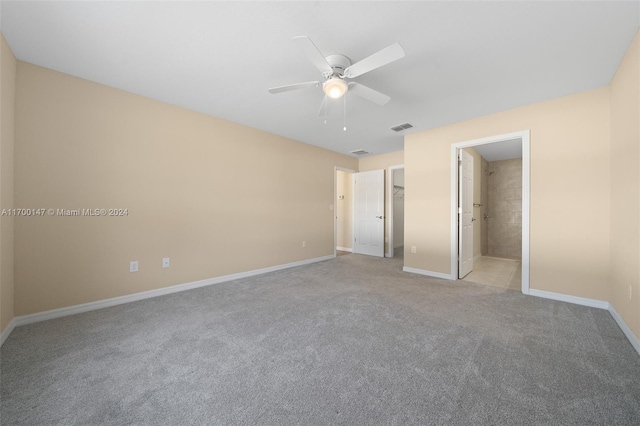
(338,64)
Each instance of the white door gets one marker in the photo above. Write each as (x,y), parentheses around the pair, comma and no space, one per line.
(465,214)
(368,229)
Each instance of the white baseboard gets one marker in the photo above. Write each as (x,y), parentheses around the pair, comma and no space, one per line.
(91,306)
(633,339)
(7,331)
(99,304)
(350,250)
(427,273)
(593,303)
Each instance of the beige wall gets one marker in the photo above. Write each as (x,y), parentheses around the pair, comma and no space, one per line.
(83,145)
(344,210)
(570,187)
(382,161)
(625,188)
(216,197)
(378,162)
(7,102)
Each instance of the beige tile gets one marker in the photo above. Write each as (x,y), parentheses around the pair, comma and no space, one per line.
(514,206)
(499,206)
(499,236)
(498,251)
(514,181)
(496,272)
(512,219)
(509,194)
(518,217)
(516,231)
(501,217)
(514,251)
(518,193)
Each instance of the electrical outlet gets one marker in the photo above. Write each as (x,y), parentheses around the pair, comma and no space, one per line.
(304,244)
(133,266)
(413,249)
(630,291)
(166,262)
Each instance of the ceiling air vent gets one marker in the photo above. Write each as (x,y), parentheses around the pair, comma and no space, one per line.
(401,127)
(359,152)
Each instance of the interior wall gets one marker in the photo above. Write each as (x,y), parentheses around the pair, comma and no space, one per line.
(569,252)
(398,209)
(504,224)
(7,135)
(344,210)
(625,188)
(216,197)
(378,162)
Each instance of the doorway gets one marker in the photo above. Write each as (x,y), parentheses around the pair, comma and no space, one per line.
(359,212)
(343,211)
(395,195)
(368,213)
(492,147)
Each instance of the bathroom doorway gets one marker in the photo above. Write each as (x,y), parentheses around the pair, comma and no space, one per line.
(500,211)
(498,259)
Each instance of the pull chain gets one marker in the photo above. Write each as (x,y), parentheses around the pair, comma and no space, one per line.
(325,109)
(344,111)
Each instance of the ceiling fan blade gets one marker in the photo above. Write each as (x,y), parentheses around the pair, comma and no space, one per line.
(368,93)
(312,52)
(378,59)
(296,86)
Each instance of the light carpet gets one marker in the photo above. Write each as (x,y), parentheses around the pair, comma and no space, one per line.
(349,341)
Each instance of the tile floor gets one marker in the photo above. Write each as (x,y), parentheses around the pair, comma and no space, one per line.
(496,272)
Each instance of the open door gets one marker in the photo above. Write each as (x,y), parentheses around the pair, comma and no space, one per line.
(465,214)
(368,214)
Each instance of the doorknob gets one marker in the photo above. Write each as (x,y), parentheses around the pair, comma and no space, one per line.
(473,219)
(380,217)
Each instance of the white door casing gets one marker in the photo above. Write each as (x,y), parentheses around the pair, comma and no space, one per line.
(525,138)
(465,214)
(368,226)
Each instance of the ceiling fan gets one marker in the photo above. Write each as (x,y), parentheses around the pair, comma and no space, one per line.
(336,69)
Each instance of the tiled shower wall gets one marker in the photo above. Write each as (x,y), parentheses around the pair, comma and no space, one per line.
(504,196)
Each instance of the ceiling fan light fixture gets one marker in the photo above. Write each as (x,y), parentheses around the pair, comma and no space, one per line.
(335,87)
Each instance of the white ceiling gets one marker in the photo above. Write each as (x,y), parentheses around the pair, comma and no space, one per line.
(463,59)
(497,151)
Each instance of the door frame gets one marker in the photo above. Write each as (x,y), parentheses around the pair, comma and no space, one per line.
(391,183)
(524,137)
(334,206)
